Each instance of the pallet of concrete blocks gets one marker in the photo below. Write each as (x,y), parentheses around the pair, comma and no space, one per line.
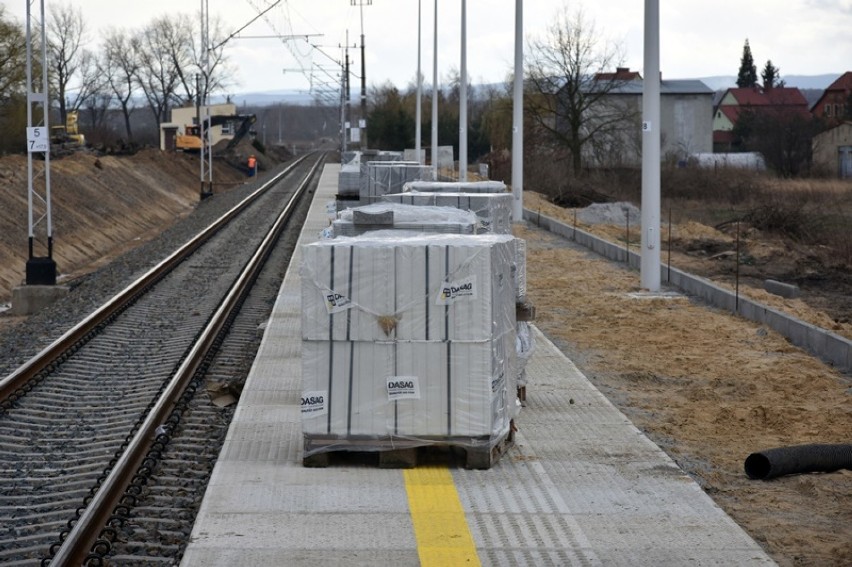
(456,186)
(408,341)
(389,177)
(493,210)
(349,180)
(370,156)
(394,216)
(493,213)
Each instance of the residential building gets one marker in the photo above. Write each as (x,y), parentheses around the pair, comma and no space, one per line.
(186,116)
(686,112)
(781,101)
(835,104)
(832,150)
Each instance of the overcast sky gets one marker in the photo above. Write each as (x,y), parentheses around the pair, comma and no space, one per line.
(698,38)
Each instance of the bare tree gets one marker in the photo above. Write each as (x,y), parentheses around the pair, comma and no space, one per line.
(88,83)
(170,57)
(220,72)
(570,83)
(95,95)
(13,56)
(97,105)
(176,33)
(66,38)
(157,74)
(119,65)
(13,79)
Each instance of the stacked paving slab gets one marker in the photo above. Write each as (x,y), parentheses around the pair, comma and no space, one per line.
(410,329)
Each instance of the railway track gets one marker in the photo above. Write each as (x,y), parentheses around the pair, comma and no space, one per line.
(108,436)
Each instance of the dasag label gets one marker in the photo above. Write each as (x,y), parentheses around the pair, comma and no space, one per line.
(458,290)
(314,403)
(335,303)
(403,388)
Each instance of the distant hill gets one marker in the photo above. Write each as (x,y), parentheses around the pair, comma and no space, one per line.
(717,83)
(267,98)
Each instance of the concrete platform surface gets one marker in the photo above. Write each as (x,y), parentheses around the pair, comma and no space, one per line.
(581,486)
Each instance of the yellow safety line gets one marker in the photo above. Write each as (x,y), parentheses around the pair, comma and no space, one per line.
(443,537)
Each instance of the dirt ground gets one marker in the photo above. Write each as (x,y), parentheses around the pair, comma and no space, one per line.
(708,387)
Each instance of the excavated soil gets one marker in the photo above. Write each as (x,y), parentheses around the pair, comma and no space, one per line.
(708,387)
(101,207)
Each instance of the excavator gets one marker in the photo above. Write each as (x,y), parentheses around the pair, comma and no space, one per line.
(64,139)
(190,140)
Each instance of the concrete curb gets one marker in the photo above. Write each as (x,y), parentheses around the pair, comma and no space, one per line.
(828,346)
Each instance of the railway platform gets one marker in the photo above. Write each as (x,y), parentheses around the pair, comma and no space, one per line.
(580,486)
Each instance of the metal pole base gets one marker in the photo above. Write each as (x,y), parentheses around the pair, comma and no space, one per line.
(41,271)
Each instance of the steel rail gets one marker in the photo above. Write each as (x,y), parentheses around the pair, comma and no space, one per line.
(83,536)
(52,353)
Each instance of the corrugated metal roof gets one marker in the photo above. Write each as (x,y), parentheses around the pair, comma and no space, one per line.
(667,87)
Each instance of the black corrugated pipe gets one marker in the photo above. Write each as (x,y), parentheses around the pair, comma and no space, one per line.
(798,459)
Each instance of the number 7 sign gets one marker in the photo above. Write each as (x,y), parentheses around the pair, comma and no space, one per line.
(37,139)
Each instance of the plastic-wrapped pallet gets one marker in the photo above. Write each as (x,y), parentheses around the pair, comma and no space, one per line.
(456,186)
(371,156)
(408,337)
(494,210)
(395,216)
(389,177)
(349,180)
(350,157)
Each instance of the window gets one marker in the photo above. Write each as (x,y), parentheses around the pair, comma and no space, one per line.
(827,110)
(838,111)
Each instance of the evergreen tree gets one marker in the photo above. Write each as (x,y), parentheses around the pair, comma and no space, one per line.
(747,76)
(770,76)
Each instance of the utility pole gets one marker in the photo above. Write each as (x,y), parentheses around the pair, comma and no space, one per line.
(361,4)
(649,273)
(39,270)
(204,122)
(347,96)
(463,96)
(206,154)
(435,98)
(518,117)
(419,119)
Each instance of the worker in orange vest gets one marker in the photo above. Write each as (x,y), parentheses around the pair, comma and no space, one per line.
(252,165)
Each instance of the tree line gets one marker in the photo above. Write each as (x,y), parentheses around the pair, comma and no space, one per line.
(159,62)
(571,118)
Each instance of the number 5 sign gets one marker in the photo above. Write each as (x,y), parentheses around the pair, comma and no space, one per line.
(37,139)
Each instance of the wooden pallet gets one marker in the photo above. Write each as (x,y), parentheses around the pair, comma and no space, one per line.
(398,453)
(525,310)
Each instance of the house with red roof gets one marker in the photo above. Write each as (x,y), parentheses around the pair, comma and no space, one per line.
(835,104)
(780,101)
(832,148)
(621,74)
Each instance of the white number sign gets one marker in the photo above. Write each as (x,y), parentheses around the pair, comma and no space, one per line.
(37,139)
